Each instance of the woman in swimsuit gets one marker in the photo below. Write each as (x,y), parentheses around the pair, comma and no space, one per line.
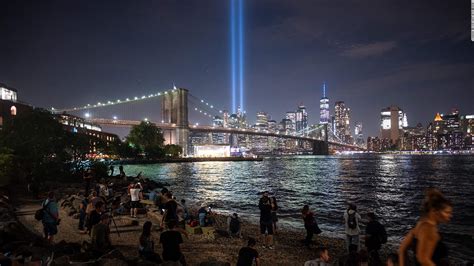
(425,239)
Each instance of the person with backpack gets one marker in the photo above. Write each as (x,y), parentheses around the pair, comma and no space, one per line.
(351,220)
(50,217)
(234,225)
(375,236)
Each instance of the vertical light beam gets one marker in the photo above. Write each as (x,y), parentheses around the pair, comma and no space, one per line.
(233,56)
(241,53)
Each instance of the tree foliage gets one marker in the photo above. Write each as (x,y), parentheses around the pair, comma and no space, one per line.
(147,138)
(6,166)
(172,150)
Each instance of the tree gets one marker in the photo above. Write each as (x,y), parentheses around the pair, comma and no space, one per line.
(147,138)
(6,166)
(173,150)
(38,142)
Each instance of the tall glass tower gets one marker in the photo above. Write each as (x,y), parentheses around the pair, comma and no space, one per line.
(324,107)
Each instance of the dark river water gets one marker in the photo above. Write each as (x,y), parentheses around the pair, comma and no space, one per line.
(390,185)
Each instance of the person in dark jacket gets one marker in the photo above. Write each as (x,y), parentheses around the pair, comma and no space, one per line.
(374,234)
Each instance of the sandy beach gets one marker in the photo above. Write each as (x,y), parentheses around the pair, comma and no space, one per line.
(289,249)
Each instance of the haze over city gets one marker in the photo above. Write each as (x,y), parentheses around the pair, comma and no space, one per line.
(414,54)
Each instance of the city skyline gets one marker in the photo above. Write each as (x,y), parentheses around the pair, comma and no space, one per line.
(78,54)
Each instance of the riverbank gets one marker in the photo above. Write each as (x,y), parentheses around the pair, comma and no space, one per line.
(190,160)
(199,248)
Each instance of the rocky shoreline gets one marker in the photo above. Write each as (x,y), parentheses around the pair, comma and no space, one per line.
(199,249)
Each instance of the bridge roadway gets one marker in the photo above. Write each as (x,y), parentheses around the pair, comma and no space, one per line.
(213,129)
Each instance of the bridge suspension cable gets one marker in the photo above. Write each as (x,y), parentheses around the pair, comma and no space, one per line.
(113,102)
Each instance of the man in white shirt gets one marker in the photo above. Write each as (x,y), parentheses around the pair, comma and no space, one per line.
(135,196)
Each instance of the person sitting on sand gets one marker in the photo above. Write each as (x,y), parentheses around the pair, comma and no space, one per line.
(205,216)
(248,254)
(146,248)
(322,260)
(234,226)
(171,240)
(101,242)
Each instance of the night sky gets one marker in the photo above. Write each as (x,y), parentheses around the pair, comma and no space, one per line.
(414,54)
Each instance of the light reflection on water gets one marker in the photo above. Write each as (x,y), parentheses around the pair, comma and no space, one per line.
(390,185)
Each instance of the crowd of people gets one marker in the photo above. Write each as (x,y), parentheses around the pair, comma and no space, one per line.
(99,206)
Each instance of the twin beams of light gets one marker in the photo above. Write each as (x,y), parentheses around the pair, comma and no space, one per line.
(237,46)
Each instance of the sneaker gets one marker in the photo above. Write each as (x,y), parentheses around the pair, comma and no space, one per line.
(263,246)
(270,247)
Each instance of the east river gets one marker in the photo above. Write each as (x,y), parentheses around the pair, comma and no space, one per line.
(390,185)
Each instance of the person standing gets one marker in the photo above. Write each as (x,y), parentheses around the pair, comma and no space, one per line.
(351,221)
(82,213)
(310,225)
(425,238)
(375,236)
(135,197)
(122,173)
(87,180)
(274,214)
(95,215)
(171,207)
(111,168)
(266,223)
(50,217)
(248,254)
(171,240)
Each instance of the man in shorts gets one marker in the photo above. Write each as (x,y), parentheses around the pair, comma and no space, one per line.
(135,199)
(266,221)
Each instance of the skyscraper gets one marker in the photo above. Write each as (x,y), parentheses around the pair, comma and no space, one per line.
(339,107)
(290,125)
(301,120)
(392,120)
(324,108)
(359,136)
(262,120)
(342,122)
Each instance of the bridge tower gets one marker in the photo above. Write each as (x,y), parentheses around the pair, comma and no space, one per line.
(322,147)
(174,110)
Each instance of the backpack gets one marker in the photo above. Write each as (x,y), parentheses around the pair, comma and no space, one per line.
(234,225)
(351,220)
(39,214)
